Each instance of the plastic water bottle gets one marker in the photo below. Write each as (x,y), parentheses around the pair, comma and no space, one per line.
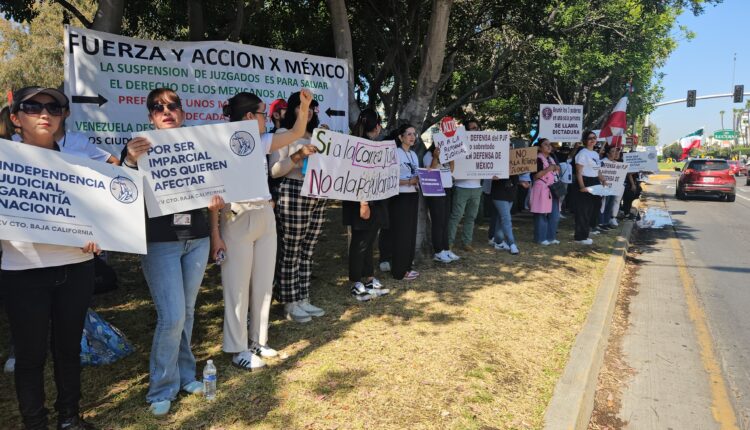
(209,380)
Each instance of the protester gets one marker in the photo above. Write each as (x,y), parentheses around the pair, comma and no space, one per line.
(439,208)
(467,194)
(587,175)
(365,219)
(403,207)
(47,288)
(7,129)
(606,220)
(177,247)
(632,192)
(243,235)
(503,193)
(543,203)
(277,111)
(299,219)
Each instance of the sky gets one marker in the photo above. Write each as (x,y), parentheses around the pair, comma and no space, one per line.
(704,64)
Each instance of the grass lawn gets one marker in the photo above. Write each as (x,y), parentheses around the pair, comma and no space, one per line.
(477,344)
(670,166)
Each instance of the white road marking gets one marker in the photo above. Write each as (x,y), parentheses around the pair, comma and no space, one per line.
(742,197)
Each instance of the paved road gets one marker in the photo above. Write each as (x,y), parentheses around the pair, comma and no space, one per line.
(664,342)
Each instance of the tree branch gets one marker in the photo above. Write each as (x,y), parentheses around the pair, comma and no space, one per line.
(74,10)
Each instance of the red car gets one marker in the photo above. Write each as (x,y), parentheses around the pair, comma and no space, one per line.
(736,168)
(703,176)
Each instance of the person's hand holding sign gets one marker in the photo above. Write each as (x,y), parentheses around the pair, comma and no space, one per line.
(136,147)
(91,247)
(303,153)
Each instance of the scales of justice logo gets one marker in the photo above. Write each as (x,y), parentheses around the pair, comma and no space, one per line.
(242,143)
(547,113)
(123,189)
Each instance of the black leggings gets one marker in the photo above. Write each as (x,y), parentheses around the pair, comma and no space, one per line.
(587,210)
(38,300)
(402,212)
(440,210)
(360,254)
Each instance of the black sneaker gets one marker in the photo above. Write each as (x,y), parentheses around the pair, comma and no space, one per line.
(74,423)
(360,293)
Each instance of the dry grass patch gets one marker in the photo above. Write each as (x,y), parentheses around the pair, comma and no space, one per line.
(477,344)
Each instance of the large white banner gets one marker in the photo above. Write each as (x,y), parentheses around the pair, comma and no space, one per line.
(187,166)
(351,168)
(561,123)
(645,161)
(487,156)
(108,78)
(62,199)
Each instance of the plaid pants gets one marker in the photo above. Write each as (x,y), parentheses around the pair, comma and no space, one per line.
(299,223)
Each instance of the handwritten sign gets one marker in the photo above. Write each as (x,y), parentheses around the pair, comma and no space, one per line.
(522,160)
(62,199)
(561,123)
(351,168)
(487,156)
(430,182)
(187,166)
(451,147)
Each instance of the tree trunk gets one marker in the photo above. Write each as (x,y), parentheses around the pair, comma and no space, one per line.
(197,27)
(234,34)
(342,40)
(415,109)
(108,16)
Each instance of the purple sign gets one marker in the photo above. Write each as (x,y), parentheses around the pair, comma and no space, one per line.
(430,182)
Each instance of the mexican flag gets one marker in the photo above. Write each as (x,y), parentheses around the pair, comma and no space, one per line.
(692,140)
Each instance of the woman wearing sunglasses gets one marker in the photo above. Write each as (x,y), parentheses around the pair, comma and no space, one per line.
(587,174)
(401,239)
(47,287)
(245,233)
(177,247)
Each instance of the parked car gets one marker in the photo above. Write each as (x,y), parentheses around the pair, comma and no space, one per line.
(736,168)
(705,176)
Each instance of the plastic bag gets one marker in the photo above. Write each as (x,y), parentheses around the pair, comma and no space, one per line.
(101,342)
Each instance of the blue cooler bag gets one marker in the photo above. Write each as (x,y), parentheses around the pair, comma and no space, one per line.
(102,343)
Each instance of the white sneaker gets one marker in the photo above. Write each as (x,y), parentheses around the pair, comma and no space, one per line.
(545,243)
(441,257)
(563,216)
(295,313)
(584,242)
(451,255)
(594,232)
(248,361)
(311,310)
(514,249)
(613,222)
(385,266)
(360,293)
(375,288)
(491,242)
(554,242)
(502,246)
(262,350)
(10,365)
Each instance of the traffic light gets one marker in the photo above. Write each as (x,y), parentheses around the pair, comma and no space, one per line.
(691,98)
(739,95)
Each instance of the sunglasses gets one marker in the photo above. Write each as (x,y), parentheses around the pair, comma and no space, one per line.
(171,106)
(36,108)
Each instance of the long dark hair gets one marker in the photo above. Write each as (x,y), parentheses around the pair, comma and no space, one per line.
(367,121)
(291,115)
(396,134)
(239,105)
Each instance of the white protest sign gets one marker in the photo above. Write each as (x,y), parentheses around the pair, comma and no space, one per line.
(187,166)
(63,199)
(351,168)
(561,123)
(487,156)
(614,173)
(108,78)
(641,161)
(446,177)
(451,147)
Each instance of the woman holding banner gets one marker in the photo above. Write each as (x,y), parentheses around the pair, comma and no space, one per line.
(403,207)
(606,219)
(542,202)
(365,219)
(178,247)
(244,233)
(587,175)
(47,287)
(299,219)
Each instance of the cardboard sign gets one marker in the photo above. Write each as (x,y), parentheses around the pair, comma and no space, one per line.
(62,199)
(109,77)
(430,182)
(351,168)
(187,166)
(523,160)
(614,173)
(451,147)
(645,161)
(561,123)
(487,156)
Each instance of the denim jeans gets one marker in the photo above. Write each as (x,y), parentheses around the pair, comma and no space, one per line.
(503,223)
(545,225)
(174,272)
(609,204)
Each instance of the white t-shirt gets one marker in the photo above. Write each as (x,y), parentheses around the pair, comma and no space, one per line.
(77,144)
(408,165)
(27,255)
(590,161)
(566,173)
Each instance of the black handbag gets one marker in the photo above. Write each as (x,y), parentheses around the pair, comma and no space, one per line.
(558,189)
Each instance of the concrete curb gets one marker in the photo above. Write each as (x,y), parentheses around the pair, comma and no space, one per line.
(573,399)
